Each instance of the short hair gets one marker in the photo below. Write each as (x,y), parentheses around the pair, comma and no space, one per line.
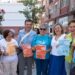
(72,21)
(28,20)
(58,24)
(5,33)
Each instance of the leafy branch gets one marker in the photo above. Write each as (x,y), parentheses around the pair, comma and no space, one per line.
(30,13)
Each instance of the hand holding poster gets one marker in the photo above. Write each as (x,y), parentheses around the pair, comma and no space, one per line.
(40,51)
(27,52)
(11,50)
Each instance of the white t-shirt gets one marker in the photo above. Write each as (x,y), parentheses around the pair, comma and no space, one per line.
(54,45)
(4,45)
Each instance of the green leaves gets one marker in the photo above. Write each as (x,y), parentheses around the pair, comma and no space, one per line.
(28,2)
(2,12)
(31,13)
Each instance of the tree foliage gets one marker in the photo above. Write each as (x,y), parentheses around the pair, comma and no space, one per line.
(28,2)
(2,12)
(32,11)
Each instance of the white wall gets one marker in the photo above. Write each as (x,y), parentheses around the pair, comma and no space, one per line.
(12,16)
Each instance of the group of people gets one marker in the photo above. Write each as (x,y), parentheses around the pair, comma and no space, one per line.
(47,52)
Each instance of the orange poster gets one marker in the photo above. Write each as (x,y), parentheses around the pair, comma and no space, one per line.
(11,50)
(27,50)
(40,51)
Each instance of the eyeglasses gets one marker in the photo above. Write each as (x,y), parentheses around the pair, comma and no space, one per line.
(42,29)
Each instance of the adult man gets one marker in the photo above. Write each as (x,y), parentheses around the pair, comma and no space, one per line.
(24,39)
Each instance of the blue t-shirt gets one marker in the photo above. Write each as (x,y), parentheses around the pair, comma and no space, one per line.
(42,40)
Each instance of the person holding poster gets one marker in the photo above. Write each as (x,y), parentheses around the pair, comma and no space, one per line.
(25,56)
(57,60)
(9,57)
(41,45)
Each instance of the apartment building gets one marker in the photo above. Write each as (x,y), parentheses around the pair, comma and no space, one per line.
(58,11)
(61,11)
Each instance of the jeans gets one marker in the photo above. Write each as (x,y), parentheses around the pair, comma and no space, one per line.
(42,66)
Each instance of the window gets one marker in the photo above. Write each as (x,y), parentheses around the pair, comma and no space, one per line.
(64,3)
(50,1)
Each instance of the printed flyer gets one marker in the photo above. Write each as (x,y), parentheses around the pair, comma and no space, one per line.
(11,49)
(40,51)
(27,50)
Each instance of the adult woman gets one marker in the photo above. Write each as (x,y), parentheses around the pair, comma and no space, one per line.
(57,61)
(9,59)
(41,45)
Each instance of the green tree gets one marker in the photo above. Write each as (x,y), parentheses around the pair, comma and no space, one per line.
(32,10)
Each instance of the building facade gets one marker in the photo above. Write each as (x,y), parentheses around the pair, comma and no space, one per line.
(59,11)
